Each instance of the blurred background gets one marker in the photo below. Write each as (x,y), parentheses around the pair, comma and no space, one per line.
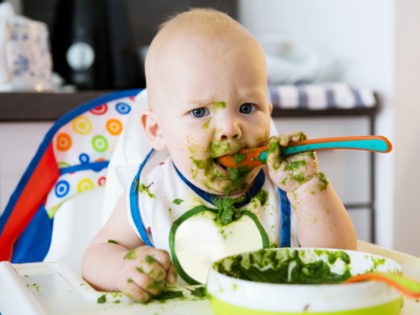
(364,43)
(100,44)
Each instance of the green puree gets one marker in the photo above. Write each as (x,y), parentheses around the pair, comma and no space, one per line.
(274,267)
(235,176)
(227,212)
(196,293)
(145,189)
(239,157)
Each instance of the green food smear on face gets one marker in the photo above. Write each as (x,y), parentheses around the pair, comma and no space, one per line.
(218,148)
(219,105)
(177,201)
(275,267)
(206,124)
(235,176)
(209,171)
(130,255)
(112,242)
(144,188)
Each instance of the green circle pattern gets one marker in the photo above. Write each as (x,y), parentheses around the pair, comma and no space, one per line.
(100,143)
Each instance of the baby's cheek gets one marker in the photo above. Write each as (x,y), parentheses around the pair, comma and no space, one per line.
(198,146)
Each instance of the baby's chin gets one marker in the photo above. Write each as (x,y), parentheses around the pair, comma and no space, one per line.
(226,186)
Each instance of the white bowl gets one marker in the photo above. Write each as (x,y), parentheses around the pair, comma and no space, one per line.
(232,293)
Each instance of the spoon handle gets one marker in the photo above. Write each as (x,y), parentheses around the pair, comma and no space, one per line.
(370,143)
(407,286)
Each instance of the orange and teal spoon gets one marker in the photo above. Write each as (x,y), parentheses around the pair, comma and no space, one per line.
(406,286)
(252,157)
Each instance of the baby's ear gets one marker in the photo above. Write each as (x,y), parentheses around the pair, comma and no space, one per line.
(151,128)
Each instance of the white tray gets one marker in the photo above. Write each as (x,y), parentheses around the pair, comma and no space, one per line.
(53,288)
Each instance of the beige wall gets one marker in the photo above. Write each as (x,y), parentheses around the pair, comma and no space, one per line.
(407,126)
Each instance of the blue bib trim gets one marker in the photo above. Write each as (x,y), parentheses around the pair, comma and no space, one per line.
(285,219)
(134,203)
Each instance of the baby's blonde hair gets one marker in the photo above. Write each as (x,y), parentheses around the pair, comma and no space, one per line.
(200,21)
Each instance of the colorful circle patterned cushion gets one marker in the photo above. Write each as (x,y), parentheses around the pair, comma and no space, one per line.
(83,148)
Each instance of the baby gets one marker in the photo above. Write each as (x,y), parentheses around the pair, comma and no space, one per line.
(207,96)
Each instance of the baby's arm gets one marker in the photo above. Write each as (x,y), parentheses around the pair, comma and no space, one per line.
(117,260)
(321,217)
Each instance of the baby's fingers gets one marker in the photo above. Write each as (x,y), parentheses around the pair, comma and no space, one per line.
(297,136)
(161,257)
(148,284)
(274,157)
(135,292)
(171,275)
(282,139)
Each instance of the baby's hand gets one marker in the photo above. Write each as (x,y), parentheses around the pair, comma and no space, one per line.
(144,273)
(291,172)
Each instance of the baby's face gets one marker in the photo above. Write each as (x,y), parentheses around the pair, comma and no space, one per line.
(216,103)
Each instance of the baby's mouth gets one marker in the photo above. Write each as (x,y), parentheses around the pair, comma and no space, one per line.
(219,149)
(219,165)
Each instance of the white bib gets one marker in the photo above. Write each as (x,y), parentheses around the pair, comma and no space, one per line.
(170,213)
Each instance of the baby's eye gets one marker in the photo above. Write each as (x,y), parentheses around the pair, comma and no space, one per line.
(200,112)
(247,108)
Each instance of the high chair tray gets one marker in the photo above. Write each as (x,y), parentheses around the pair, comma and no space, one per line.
(54,288)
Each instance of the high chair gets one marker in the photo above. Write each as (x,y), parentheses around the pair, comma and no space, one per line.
(58,204)
(72,184)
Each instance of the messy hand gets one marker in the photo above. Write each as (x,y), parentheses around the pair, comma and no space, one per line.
(144,273)
(289,173)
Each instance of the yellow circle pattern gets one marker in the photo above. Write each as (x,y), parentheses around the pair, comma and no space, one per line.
(84,184)
(82,125)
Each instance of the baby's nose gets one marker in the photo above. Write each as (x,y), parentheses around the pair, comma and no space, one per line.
(229,129)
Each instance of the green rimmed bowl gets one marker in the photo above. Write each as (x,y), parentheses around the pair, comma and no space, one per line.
(290,281)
